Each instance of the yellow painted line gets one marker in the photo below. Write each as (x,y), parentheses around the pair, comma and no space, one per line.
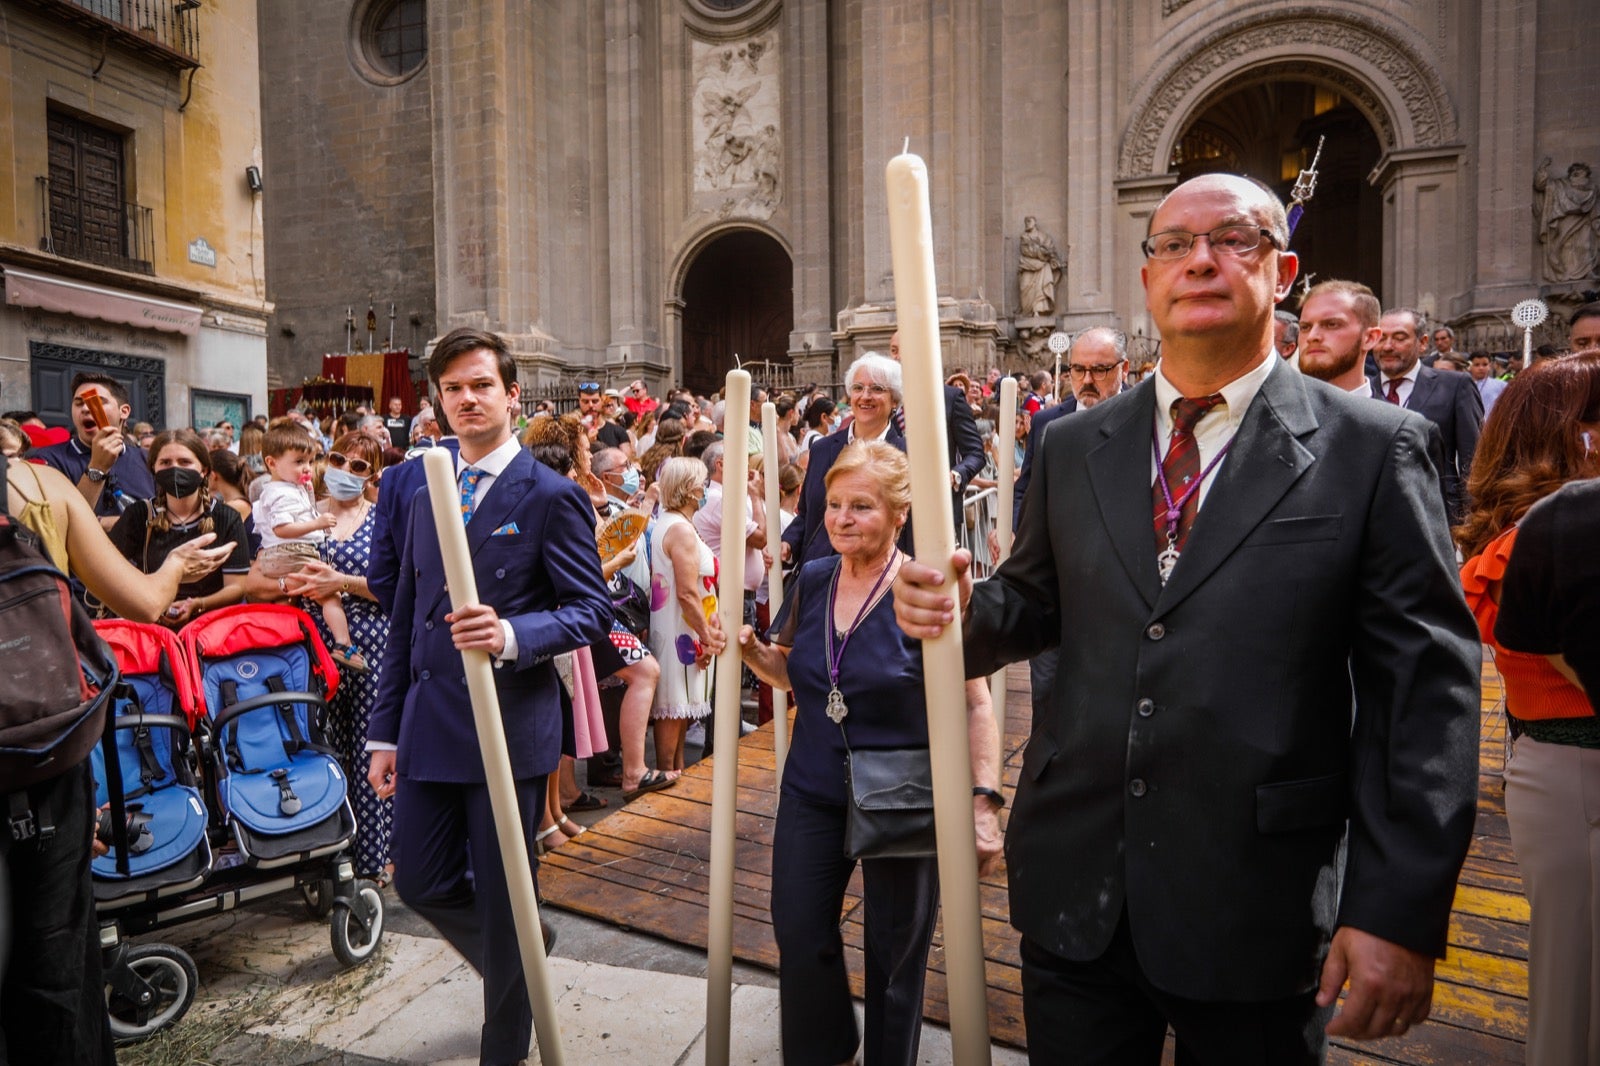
(1490,903)
(1480,970)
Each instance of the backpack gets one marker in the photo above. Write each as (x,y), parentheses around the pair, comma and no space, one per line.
(59,673)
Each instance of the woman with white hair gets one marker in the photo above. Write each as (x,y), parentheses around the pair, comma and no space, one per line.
(873,385)
(683,600)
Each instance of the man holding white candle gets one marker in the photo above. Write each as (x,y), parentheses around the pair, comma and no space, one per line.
(531,535)
(1256,780)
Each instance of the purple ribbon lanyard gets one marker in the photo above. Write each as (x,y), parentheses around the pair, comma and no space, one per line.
(834,660)
(1175,507)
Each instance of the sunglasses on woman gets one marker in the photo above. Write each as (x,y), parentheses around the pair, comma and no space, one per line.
(359,467)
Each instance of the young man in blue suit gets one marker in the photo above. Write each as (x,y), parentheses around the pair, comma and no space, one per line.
(531,534)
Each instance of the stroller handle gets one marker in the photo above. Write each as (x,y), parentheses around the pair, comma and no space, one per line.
(266,699)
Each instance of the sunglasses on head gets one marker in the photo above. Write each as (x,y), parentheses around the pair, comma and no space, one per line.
(589,386)
(359,467)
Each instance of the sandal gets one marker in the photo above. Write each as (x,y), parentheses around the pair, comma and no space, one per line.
(347,655)
(586,801)
(569,827)
(539,838)
(652,781)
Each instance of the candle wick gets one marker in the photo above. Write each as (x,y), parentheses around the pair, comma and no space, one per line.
(907,147)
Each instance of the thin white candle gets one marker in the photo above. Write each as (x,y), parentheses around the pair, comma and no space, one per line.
(1006,495)
(769,470)
(725,770)
(445,497)
(944,681)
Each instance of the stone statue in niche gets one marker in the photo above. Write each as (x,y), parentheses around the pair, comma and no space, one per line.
(1039,268)
(1569,226)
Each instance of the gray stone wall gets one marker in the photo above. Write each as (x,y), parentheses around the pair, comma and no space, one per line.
(348,200)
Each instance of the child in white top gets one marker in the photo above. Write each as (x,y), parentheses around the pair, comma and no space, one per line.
(291,527)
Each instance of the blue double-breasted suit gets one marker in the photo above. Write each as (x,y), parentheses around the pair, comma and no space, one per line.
(532,542)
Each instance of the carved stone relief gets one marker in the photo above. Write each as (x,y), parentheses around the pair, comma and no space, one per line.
(1566,210)
(1413,83)
(738,143)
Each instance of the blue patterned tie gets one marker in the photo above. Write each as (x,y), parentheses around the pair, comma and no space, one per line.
(469,490)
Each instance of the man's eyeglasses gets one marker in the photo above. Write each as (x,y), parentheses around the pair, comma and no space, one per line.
(588,386)
(1105,370)
(357,466)
(1227,240)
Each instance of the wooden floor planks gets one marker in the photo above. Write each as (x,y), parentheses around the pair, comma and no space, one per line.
(647,867)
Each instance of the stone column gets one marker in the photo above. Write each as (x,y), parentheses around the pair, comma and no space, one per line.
(633,162)
(927,74)
(1136,200)
(1503,250)
(1095,256)
(806,131)
(486,174)
(1420,207)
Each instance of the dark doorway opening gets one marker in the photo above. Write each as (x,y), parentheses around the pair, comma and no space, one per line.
(1269,132)
(738,299)
(53,366)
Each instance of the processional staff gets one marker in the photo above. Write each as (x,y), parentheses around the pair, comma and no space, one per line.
(445,499)
(944,679)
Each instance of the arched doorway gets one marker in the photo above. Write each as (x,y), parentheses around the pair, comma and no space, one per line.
(738,299)
(1269,131)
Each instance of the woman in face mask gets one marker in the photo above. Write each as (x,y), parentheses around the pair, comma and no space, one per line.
(182,509)
(350,478)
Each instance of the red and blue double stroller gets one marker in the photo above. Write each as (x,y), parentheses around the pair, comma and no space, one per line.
(217,789)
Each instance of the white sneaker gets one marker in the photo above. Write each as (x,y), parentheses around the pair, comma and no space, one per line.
(746,728)
(696,733)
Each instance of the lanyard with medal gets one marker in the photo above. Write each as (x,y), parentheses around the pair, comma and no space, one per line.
(1168,559)
(835,709)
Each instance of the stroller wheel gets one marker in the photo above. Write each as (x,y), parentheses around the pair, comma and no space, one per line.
(357,924)
(318,897)
(171,978)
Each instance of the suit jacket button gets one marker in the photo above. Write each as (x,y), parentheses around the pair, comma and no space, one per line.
(1156,631)
(1137,787)
(1145,707)
(428,625)
(501,573)
(426,674)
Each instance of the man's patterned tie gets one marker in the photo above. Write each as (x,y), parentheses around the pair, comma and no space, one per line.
(469,490)
(1182,466)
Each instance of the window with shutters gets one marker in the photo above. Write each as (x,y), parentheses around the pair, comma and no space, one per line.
(86,209)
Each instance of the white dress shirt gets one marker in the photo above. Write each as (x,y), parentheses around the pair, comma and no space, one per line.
(1408,381)
(1218,425)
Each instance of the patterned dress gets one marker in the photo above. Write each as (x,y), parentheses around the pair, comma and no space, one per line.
(684,690)
(352,704)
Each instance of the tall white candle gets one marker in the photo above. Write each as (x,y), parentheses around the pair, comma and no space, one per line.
(769,470)
(944,680)
(725,769)
(1007,498)
(445,498)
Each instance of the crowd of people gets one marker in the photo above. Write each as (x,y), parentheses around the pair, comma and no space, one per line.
(1205,836)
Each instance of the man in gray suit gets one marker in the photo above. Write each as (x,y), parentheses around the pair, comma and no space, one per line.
(1255,784)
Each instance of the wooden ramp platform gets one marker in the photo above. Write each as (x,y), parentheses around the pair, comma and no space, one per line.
(647,867)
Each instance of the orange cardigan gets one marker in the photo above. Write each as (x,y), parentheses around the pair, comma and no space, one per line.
(1534,689)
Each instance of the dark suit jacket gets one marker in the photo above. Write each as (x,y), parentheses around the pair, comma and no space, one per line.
(1198,762)
(1450,401)
(395,490)
(964,441)
(1035,435)
(544,579)
(805,536)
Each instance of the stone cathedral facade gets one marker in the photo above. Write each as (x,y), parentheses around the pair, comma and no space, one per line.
(651,188)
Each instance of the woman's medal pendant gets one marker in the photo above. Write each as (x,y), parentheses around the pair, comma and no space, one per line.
(836,710)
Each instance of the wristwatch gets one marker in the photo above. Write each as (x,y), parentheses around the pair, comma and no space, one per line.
(990,794)
(95,475)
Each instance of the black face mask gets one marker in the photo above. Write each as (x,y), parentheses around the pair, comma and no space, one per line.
(179,481)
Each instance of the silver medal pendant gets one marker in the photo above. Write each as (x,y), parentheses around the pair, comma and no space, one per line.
(836,710)
(1165,563)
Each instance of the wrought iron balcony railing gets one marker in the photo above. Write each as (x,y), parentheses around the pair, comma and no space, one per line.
(167,31)
(95,230)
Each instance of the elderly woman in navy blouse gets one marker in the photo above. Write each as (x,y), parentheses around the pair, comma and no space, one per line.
(835,642)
